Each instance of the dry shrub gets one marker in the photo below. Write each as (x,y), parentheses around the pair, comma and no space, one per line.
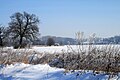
(105,58)
(9,56)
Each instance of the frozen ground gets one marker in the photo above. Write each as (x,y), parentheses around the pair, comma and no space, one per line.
(21,71)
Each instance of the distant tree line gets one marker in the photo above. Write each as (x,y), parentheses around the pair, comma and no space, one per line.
(21,30)
(112,40)
(66,41)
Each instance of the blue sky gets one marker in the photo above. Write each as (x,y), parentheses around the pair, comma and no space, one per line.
(65,17)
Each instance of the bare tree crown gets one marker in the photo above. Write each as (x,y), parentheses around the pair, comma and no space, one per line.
(24,26)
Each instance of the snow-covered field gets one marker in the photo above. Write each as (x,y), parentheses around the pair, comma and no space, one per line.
(50,49)
(61,49)
(68,48)
(21,71)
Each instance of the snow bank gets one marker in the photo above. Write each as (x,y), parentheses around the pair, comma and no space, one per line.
(22,71)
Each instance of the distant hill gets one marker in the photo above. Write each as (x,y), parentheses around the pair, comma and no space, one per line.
(72,41)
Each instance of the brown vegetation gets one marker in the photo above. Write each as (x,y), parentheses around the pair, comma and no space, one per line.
(106,59)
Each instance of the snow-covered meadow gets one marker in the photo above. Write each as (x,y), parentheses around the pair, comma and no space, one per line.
(61,49)
(21,71)
(69,48)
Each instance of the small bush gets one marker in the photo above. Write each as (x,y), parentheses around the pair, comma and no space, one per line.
(50,41)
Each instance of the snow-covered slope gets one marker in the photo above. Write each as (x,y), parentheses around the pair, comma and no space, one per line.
(21,71)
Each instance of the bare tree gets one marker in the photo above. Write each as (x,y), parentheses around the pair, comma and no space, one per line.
(23,26)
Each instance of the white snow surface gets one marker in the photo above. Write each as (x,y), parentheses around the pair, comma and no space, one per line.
(60,49)
(50,49)
(68,48)
(21,71)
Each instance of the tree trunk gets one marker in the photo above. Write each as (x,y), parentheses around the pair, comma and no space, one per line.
(1,42)
(21,40)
